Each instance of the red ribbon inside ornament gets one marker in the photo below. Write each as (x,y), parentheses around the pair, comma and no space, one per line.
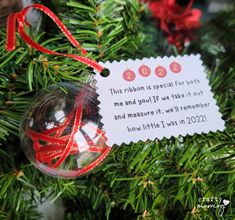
(52,146)
(57,147)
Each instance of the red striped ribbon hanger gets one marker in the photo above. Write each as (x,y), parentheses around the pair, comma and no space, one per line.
(20,17)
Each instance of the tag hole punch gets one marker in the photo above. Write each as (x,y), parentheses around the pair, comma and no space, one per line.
(105,72)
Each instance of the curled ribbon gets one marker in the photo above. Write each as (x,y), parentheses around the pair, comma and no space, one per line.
(56,146)
(57,141)
(20,18)
(52,146)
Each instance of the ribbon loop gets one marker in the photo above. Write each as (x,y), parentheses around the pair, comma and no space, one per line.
(20,18)
(11,30)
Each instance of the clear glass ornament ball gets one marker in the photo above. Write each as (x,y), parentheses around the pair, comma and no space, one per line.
(61,132)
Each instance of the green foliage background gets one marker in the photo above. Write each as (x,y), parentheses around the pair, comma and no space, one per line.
(153,180)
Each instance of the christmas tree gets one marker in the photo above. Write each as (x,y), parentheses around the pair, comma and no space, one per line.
(175,178)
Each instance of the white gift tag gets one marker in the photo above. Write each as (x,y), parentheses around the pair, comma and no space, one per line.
(156,97)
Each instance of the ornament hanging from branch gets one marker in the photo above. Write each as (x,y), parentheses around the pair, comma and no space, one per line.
(61,132)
